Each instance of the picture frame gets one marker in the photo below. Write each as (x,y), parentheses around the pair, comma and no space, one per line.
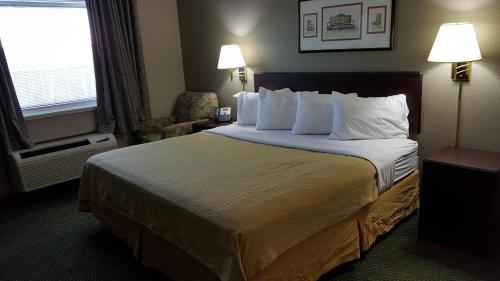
(376,19)
(310,26)
(346,25)
(342,22)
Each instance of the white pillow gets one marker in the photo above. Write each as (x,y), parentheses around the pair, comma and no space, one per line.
(369,118)
(276,109)
(246,111)
(314,114)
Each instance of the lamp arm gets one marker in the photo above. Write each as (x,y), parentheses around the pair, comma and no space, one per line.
(459,106)
(242,73)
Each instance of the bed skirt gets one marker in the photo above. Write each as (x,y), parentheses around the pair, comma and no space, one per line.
(337,244)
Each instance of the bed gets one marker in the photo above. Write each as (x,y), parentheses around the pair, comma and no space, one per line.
(235,203)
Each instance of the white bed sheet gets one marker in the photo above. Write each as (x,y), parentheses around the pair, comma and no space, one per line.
(405,164)
(392,158)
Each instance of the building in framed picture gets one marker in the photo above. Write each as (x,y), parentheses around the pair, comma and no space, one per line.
(342,22)
(345,25)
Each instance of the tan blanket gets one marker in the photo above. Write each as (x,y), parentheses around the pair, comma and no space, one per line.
(233,205)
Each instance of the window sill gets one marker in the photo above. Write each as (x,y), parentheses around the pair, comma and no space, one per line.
(59,110)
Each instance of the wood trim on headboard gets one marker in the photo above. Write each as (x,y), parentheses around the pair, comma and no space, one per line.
(366,84)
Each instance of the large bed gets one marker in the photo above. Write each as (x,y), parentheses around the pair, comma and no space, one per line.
(236,203)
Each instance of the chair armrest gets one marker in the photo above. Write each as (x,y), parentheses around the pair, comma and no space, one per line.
(201,121)
(180,129)
(153,126)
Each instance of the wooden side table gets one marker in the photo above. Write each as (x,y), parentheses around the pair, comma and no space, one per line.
(198,127)
(460,200)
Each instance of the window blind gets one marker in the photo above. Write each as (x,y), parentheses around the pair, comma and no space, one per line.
(44,3)
(49,52)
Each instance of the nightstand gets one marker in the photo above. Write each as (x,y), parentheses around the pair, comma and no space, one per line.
(460,200)
(209,125)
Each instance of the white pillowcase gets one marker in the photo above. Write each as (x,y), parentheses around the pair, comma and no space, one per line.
(276,109)
(314,114)
(369,118)
(248,103)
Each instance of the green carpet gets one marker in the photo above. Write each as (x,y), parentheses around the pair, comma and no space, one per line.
(44,237)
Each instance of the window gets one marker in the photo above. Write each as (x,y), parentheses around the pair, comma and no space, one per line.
(48,48)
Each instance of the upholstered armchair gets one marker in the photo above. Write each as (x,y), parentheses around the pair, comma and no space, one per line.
(191,107)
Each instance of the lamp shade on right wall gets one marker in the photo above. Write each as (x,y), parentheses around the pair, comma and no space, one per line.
(455,42)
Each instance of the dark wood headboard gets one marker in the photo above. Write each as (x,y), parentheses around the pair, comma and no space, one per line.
(366,84)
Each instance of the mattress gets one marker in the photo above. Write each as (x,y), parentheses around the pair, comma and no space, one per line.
(392,158)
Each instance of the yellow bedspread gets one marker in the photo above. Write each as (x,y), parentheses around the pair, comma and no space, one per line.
(233,205)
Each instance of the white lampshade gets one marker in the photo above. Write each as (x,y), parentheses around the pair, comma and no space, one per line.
(230,57)
(455,42)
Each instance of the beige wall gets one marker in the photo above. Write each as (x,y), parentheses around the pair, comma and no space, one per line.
(267,33)
(163,59)
(162,54)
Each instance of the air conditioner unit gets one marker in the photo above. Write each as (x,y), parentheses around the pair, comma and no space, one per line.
(58,161)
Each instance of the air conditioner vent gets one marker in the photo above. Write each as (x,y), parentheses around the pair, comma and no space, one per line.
(59,161)
(51,149)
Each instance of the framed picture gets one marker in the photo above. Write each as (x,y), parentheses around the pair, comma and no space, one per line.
(310,25)
(377,19)
(345,25)
(341,22)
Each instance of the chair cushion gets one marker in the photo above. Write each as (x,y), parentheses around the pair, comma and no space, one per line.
(153,126)
(150,138)
(195,105)
(177,130)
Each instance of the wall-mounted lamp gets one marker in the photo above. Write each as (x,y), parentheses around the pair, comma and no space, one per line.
(231,58)
(456,43)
